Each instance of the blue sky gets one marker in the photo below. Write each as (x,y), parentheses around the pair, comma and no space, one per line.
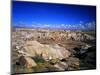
(33,14)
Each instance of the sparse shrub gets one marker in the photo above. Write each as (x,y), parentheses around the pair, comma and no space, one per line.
(38,59)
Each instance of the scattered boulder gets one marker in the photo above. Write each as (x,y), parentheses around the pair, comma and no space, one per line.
(27,62)
(61,66)
(73,62)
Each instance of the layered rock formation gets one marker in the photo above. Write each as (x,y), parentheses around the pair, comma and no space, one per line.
(33,48)
(45,50)
(33,34)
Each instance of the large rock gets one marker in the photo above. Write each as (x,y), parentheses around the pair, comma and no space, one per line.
(34,48)
(56,36)
(61,66)
(27,62)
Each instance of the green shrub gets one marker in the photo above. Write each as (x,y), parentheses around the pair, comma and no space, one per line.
(38,59)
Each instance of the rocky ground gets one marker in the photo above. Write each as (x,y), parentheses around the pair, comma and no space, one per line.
(52,50)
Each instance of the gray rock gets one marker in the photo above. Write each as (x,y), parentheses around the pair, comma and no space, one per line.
(27,62)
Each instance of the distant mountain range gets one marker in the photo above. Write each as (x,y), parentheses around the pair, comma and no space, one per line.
(81,26)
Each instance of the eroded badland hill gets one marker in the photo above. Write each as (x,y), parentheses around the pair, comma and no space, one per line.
(52,50)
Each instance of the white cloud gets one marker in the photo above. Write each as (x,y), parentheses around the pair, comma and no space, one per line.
(46,25)
(81,25)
